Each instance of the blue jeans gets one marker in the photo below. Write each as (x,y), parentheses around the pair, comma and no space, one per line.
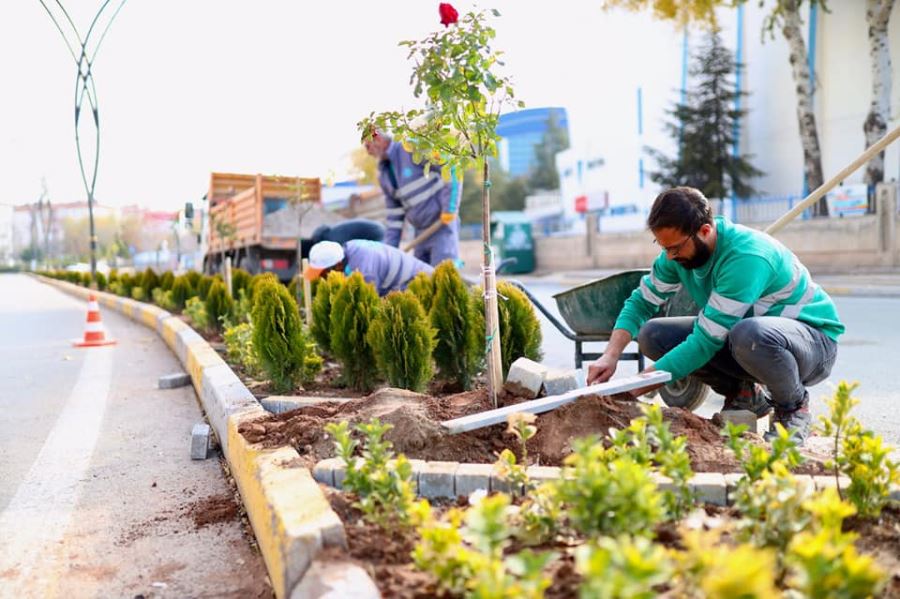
(783,354)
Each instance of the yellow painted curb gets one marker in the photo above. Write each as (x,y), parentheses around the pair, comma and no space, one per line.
(199,356)
(149,315)
(127,308)
(290,515)
(170,329)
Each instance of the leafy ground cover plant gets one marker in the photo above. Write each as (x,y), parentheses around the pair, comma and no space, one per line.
(622,567)
(402,341)
(381,480)
(353,310)
(195,310)
(239,347)
(859,454)
(521,425)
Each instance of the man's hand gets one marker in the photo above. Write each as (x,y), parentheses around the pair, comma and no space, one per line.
(447,217)
(602,369)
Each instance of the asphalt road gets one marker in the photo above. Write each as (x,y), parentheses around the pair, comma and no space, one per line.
(98,494)
(866,354)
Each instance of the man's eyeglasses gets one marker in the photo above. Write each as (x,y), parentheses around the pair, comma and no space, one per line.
(674,249)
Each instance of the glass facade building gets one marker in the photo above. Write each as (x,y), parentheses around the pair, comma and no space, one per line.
(521,131)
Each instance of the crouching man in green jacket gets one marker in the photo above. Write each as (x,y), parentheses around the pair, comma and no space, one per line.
(765,330)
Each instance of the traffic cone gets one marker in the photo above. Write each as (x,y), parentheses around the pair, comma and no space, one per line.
(94,333)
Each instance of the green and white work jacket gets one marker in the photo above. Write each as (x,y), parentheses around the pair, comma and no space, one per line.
(749,274)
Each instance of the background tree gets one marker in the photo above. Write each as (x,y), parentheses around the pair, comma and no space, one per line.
(556,139)
(507,193)
(878,16)
(785,16)
(703,130)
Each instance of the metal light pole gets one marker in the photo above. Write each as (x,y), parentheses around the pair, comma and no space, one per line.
(84,87)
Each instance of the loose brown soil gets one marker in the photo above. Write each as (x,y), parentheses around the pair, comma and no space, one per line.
(417,432)
(212,510)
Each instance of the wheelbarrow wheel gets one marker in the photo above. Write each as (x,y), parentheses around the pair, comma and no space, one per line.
(688,393)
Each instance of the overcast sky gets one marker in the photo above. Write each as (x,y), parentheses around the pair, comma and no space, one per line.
(275,86)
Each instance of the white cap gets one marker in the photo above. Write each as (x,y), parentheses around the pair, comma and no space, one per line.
(323,255)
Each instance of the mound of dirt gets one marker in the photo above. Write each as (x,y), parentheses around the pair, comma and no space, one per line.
(417,432)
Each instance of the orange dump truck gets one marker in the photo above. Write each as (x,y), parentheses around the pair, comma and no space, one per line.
(257,221)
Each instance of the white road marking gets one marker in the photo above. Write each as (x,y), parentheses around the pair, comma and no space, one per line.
(39,513)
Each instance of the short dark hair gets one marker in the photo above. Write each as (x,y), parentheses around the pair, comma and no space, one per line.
(683,208)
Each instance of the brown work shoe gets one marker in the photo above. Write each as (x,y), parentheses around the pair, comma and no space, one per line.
(752,397)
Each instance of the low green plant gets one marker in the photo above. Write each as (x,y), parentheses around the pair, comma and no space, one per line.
(381,479)
(138,293)
(163,298)
(608,494)
(195,310)
(181,291)
(621,567)
(459,352)
(709,569)
(101,281)
(520,330)
(859,454)
(541,515)
(649,441)
(353,310)
(281,345)
(242,307)
(772,509)
(256,281)
(326,291)
(203,286)
(166,280)
(755,459)
(126,282)
(402,341)
(113,276)
(521,425)
(422,286)
(239,347)
(823,561)
(240,279)
(85,279)
(218,304)
(116,288)
(193,278)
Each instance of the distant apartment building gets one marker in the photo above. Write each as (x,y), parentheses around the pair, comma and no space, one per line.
(521,131)
(6,236)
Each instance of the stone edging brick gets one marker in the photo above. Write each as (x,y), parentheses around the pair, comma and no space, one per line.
(291,518)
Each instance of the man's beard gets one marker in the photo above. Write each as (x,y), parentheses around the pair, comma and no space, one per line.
(701,255)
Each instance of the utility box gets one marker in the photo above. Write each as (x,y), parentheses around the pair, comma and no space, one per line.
(512,237)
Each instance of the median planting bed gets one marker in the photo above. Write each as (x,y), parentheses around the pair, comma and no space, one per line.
(617,510)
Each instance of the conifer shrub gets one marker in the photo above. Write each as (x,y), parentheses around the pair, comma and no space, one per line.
(218,305)
(113,276)
(101,281)
(458,353)
(325,293)
(422,286)
(166,280)
(203,286)
(240,279)
(520,330)
(353,309)
(85,279)
(281,346)
(181,291)
(258,280)
(126,282)
(193,277)
(137,293)
(402,341)
(149,282)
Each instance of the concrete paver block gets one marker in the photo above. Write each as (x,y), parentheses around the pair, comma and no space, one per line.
(542,474)
(473,477)
(895,493)
(557,382)
(335,579)
(174,380)
(747,418)
(709,487)
(324,470)
(525,378)
(500,484)
(417,467)
(279,404)
(731,482)
(436,479)
(200,441)
(663,483)
(806,482)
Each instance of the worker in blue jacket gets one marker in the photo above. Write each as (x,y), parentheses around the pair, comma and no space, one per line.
(421,200)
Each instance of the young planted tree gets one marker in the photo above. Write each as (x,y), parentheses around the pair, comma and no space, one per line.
(520,330)
(458,349)
(278,338)
(352,312)
(703,130)
(402,340)
(456,70)
(326,291)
